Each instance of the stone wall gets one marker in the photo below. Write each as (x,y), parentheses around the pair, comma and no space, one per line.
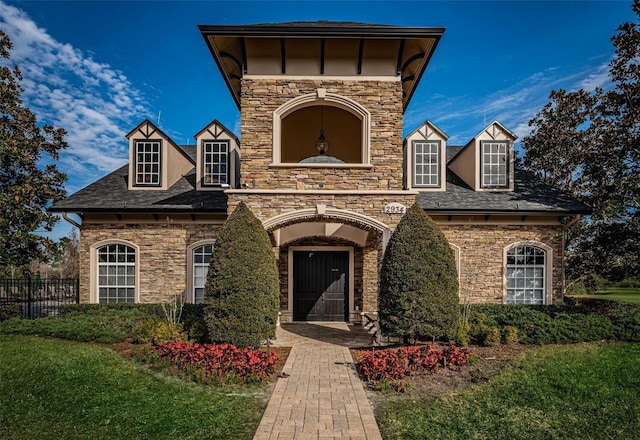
(162,257)
(481,257)
(261,97)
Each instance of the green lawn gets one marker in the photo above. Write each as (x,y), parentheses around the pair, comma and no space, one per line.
(55,389)
(620,294)
(582,391)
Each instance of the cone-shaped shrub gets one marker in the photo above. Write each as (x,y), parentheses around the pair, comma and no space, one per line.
(242,289)
(418,280)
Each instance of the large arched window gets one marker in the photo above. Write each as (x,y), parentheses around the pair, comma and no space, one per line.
(116,281)
(299,123)
(199,257)
(526,275)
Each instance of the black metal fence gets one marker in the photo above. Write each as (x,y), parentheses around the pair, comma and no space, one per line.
(39,297)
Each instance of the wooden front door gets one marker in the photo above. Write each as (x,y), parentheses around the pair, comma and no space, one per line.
(320,285)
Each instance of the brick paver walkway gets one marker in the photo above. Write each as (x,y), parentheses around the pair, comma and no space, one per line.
(322,398)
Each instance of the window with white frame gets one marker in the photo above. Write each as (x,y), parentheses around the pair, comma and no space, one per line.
(201,259)
(495,164)
(147,157)
(526,275)
(116,273)
(426,163)
(215,162)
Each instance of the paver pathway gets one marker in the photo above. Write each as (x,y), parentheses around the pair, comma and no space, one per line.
(322,398)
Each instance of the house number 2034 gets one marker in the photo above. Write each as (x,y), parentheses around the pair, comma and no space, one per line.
(395,208)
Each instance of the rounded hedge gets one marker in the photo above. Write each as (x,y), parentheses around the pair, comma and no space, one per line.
(418,281)
(242,289)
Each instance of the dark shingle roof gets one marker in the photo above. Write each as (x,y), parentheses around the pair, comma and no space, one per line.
(111,194)
(530,195)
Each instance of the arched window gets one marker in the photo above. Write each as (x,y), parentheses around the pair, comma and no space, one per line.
(201,256)
(526,273)
(116,281)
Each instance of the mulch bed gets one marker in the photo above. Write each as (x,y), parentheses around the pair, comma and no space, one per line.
(128,350)
(446,380)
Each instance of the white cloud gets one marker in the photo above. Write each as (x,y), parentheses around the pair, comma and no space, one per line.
(462,117)
(67,88)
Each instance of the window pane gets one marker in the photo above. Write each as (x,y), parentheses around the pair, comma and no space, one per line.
(116,269)
(215,161)
(525,266)
(426,158)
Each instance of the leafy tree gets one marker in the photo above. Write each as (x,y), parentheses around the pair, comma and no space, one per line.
(242,289)
(66,256)
(418,280)
(589,144)
(27,184)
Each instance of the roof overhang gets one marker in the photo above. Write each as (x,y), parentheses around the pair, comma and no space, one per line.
(322,49)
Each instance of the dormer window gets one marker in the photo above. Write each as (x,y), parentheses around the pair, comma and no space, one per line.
(215,162)
(426,163)
(147,166)
(495,164)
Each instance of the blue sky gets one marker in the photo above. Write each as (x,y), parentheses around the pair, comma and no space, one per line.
(97,69)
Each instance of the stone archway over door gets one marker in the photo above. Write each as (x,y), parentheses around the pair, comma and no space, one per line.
(320,285)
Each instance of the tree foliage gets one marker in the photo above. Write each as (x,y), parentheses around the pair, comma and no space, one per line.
(242,289)
(418,280)
(588,143)
(29,178)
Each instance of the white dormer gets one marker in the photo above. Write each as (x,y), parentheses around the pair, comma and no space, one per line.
(218,158)
(155,161)
(425,158)
(486,162)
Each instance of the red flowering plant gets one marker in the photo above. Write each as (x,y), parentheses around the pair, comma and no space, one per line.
(395,364)
(217,362)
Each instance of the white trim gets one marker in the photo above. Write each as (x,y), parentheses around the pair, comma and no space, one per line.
(548,268)
(329,99)
(350,293)
(320,165)
(354,78)
(320,191)
(189,269)
(93,267)
(456,255)
(329,214)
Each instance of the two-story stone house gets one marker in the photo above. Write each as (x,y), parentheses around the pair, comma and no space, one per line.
(322,163)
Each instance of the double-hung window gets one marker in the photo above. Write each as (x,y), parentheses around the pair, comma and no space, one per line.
(116,273)
(526,275)
(495,164)
(201,259)
(147,156)
(426,163)
(215,158)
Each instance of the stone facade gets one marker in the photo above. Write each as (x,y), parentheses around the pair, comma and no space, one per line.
(261,97)
(161,260)
(481,257)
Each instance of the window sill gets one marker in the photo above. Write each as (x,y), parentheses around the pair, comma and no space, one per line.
(320,165)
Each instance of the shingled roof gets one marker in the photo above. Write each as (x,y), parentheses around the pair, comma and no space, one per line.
(530,195)
(111,194)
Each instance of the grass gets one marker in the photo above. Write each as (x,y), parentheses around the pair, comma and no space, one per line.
(586,391)
(59,389)
(620,294)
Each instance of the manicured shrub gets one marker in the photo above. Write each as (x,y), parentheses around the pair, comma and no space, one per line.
(418,281)
(75,328)
(8,311)
(509,335)
(156,330)
(242,289)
